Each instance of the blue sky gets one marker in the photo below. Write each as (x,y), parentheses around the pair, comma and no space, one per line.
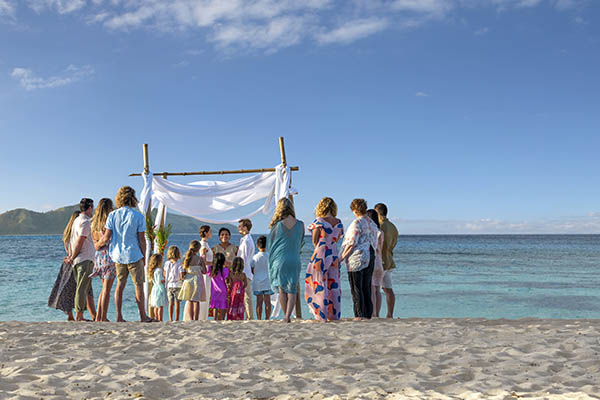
(463,116)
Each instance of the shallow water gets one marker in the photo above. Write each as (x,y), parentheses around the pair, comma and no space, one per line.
(489,276)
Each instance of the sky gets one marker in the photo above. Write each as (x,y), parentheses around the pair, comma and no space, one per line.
(463,116)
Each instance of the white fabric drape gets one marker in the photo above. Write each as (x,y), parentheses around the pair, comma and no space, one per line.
(206,200)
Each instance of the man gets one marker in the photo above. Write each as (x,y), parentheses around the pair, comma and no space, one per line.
(125,230)
(82,255)
(390,238)
(246,251)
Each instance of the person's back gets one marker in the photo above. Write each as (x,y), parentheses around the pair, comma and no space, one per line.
(390,239)
(125,224)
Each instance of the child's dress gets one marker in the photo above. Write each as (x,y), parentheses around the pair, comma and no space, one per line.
(235,311)
(158,296)
(218,290)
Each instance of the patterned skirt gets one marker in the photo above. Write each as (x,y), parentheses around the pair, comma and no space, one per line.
(103,265)
(62,296)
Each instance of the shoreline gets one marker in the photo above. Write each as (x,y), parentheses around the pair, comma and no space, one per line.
(400,358)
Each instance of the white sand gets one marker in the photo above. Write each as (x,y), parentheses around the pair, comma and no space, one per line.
(414,358)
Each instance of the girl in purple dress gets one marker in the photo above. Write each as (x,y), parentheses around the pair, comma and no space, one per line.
(218,289)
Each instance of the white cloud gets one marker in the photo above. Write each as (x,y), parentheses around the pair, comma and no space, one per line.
(269,25)
(72,74)
(353,30)
(7,8)
(589,224)
(482,31)
(422,94)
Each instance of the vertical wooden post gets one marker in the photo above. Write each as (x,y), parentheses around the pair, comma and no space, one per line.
(149,245)
(284,163)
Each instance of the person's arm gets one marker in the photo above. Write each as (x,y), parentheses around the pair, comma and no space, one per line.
(316,235)
(105,239)
(142,242)
(202,266)
(76,250)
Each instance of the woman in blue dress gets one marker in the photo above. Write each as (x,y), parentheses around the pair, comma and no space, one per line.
(285,242)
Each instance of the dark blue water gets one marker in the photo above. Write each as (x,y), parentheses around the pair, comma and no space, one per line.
(503,276)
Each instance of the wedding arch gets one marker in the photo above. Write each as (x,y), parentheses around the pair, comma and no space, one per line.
(211,201)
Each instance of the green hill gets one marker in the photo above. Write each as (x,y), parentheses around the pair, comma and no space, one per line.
(26,222)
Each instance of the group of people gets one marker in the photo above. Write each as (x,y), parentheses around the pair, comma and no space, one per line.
(221,281)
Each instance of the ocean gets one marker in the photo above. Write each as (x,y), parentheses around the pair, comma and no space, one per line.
(447,276)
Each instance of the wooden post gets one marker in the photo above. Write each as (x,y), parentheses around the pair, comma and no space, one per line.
(284,163)
(149,245)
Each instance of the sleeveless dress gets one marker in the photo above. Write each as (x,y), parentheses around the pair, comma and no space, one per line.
(158,296)
(322,284)
(378,272)
(208,259)
(218,290)
(284,256)
(236,306)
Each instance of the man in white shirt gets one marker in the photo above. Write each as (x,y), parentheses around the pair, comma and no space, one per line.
(81,255)
(246,251)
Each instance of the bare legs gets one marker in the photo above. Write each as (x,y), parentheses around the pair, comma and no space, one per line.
(376,300)
(288,302)
(174,306)
(390,299)
(139,299)
(192,309)
(220,314)
(260,299)
(104,299)
(90,305)
(156,313)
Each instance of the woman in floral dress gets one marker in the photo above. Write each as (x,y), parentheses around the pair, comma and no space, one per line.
(322,291)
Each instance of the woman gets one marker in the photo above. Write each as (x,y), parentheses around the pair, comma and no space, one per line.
(229,250)
(359,254)
(322,291)
(104,267)
(62,296)
(207,255)
(378,272)
(285,241)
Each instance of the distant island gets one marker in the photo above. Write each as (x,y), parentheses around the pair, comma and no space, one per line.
(26,222)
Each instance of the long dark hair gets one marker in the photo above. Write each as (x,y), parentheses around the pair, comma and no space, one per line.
(218,263)
(374,217)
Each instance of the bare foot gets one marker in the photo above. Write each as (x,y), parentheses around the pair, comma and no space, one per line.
(121,320)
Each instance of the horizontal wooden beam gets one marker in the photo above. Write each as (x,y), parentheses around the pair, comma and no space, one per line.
(237,171)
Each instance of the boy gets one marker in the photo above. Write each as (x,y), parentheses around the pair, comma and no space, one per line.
(173,279)
(261,285)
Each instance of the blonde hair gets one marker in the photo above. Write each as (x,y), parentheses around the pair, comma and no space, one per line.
(326,206)
(359,205)
(173,253)
(154,262)
(283,209)
(126,197)
(193,249)
(105,206)
(67,232)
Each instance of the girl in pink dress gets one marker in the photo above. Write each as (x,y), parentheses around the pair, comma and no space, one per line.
(322,291)
(236,284)
(218,288)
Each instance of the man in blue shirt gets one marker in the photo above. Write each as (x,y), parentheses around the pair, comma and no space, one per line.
(125,228)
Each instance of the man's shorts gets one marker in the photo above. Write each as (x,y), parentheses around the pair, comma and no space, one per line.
(387,279)
(267,292)
(173,294)
(136,270)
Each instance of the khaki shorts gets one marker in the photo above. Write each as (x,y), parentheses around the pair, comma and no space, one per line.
(136,270)
(387,279)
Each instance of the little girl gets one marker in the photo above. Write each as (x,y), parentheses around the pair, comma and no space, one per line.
(174,277)
(236,285)
(193,290)
(218,288)
(158,296)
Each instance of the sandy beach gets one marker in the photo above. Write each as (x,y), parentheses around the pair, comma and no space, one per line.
(397,359)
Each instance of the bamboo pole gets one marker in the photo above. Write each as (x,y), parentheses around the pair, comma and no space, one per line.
(236,171)
(149,244)
(282,151)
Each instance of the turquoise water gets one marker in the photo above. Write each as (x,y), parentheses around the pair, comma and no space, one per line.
(505,276)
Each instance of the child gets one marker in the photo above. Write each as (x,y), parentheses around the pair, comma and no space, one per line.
(174,278)
(158,296)
(261,285)
(193,287)
(218,289)
(207,255)
(236,286)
